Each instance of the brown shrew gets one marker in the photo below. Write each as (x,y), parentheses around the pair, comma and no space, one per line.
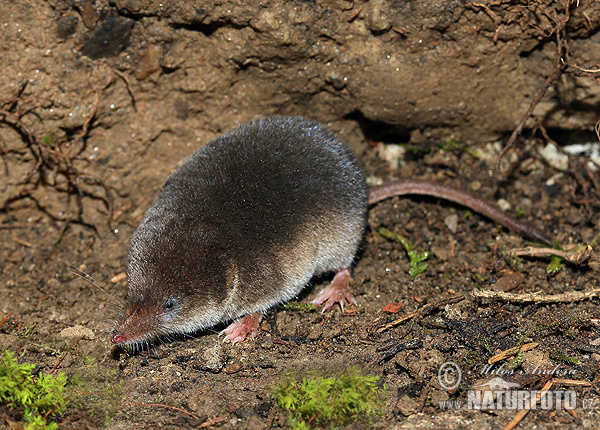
(248,220)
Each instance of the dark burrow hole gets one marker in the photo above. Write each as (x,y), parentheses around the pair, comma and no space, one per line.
(379,131)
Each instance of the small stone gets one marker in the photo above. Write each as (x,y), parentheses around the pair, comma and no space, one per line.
(234,368)
(393,154)
(149,62)
(453,312)
(553,157)
(504,205)
(78,331)
(451,222)
(406,406)
(378,19)
(475,186)
(267,342)
(213,359)
(509,282)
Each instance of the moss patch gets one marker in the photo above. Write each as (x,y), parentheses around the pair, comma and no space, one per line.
(332,401)
(36,397)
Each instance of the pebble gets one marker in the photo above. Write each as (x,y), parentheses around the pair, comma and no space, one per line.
(78,331)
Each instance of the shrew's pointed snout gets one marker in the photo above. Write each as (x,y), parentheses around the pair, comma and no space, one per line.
(139,324)
(117,338)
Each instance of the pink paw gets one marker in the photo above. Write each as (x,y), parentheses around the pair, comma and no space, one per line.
(238,330)
(336,292)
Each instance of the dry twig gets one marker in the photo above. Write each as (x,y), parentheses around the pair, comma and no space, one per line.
(578,257)
(421,312)
(538,297)
(511,352)
(128,85)
(523,413)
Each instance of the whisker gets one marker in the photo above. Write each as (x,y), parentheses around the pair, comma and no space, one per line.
(118,312)
(89,279)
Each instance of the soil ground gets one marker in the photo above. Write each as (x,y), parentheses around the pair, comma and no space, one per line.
(101,101)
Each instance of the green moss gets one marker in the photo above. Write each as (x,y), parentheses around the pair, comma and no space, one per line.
(333,401)
(488,348)
(417,259)
(28,331)
(555,265)
(480,278)
(536,330)
(48,141)
(516,362)
(37,397)
(559,356)
(452,145)
(417,151)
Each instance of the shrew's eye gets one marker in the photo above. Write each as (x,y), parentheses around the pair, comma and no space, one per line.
(169,304)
